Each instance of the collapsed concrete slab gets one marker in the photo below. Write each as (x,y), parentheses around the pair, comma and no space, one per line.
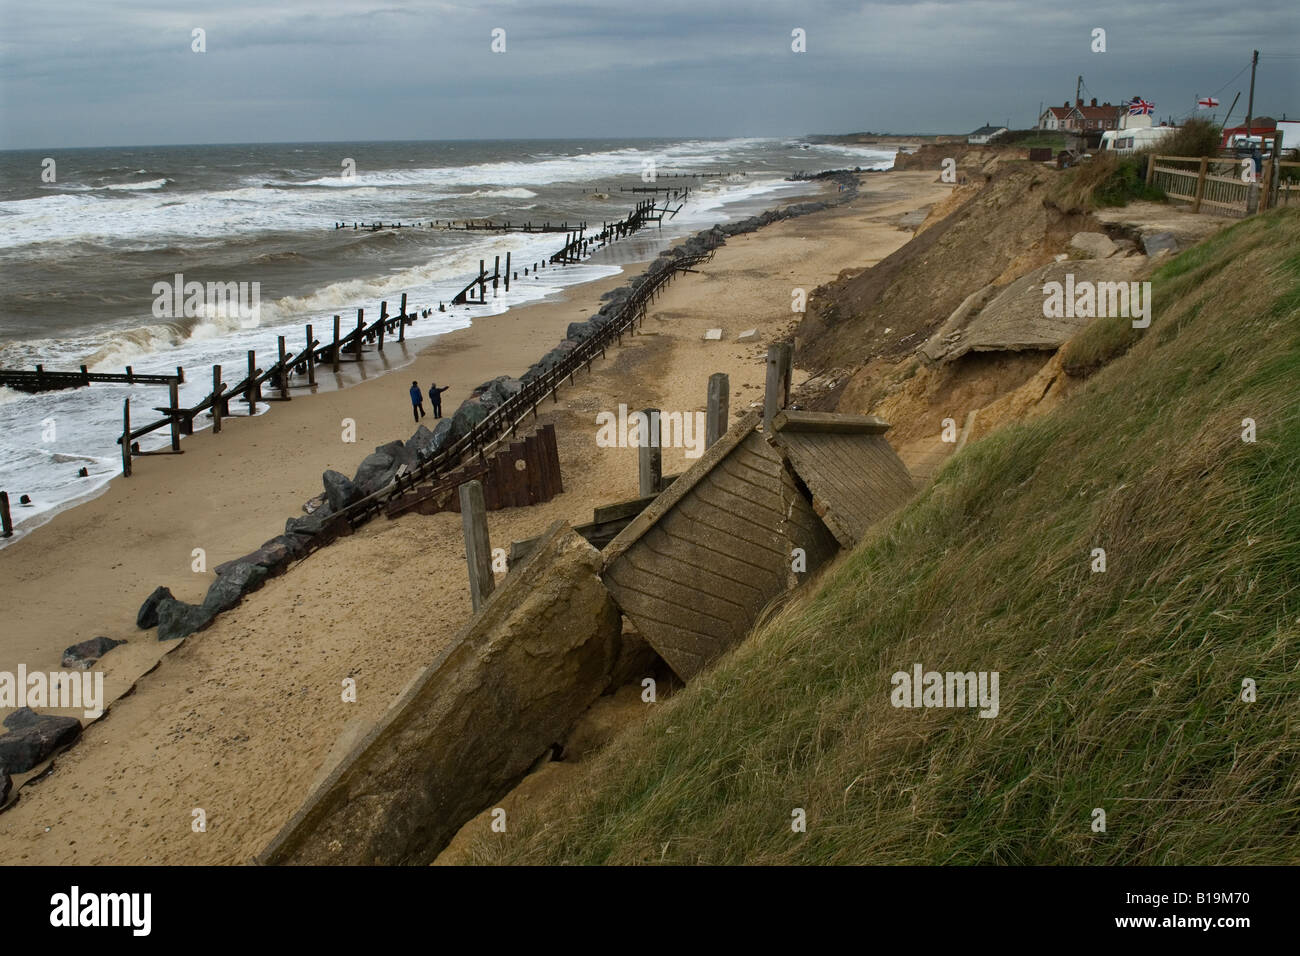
(513,682)
(1014,320)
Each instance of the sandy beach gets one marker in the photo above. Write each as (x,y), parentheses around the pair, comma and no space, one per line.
(241,719)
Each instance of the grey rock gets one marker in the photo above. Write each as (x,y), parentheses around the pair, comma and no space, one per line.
(176,619)
(376,470)
(23,749)
(21,718)
(578,331)
(229,588)
(147,616)
(85,654)
(1158,242)
(339,491)
(470,413)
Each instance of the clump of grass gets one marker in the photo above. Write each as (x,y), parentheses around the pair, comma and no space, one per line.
(1107,179)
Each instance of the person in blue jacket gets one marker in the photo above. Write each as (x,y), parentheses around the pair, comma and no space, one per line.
(435,396)
(417,401)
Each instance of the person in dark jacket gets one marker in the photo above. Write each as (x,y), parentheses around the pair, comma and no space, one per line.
(435,396)
(417,401)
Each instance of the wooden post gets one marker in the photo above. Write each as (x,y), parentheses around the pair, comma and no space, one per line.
(383,322)
(336,343)
(496,274)
(6,523)
(174,401)
(217,388)
(1200,184)
(284,372)
(774,390)
(507,271)
(361,327)
(311,358)
(787,371)
(85,375)
(649,454)
(478,550)
(126,438)
(401,325)
(250,394)
(1151,168)
(715,421)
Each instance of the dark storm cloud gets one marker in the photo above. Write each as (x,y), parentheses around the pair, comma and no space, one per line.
(90,73)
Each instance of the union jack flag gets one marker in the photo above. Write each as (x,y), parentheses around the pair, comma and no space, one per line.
(1140,107)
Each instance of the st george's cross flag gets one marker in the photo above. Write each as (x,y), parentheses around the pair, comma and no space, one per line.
(1205,102)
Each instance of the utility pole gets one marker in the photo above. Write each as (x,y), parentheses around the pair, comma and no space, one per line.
(1250,103)
(1078,90)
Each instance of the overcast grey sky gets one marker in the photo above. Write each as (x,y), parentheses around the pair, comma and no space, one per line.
(122,72)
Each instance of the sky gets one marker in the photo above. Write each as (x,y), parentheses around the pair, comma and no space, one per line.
(125,72)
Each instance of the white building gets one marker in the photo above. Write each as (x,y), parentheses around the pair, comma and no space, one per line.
(984,134)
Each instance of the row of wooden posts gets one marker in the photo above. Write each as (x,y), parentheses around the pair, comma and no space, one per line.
(650,478)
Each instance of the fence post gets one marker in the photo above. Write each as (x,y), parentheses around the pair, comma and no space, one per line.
(217,389)
(774,391)
(250,394)
(361,328)
(1151,168)
(6,523)
(284,372)
(336,344)
(401,323)
(715,424)
(311,358)
(478,551)
(507,271)
(174,413)
(126,438)
(649,454)
(1200,184)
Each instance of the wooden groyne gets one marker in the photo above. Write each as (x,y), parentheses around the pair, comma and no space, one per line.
(40,380)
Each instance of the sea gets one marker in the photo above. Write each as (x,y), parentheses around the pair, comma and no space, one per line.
(87,234)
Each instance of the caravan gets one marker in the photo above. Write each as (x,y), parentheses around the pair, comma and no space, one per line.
(1130,140)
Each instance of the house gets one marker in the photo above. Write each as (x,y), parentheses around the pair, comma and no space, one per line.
(984,134)
(1093,118)
(1054,117)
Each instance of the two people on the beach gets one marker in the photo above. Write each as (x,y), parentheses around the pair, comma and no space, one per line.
(435,396)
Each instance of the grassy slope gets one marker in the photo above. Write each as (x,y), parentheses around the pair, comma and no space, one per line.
(1118,690)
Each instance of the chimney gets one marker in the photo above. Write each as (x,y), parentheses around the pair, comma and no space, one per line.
(1094,101)
(1079,101)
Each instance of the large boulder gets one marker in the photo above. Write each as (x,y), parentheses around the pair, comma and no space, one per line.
(176,619)
(578,331)
(376,470)
(1091,245)
(312,524)
(470,413)
(506,387)
(230,587)
(85,654)
(1157,242)
(33,740)
(339,491)
(147,617)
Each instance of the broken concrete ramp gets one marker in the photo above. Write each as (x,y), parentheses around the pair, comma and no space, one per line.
(514,681)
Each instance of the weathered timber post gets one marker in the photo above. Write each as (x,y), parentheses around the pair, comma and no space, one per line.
(649,454)
(776,388)
(715,421)
(174,413)
(85,375)
(401,325)
(496,274)
(1200,184)
(507,271)
(482,286)
(383,322)
(217,388)
(250,394)
(6,523)
(361,328)
(478,550)
(126,438)
(284,372)
(311,358)
(336,343)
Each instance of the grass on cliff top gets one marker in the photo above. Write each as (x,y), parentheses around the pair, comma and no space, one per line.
(1119,690)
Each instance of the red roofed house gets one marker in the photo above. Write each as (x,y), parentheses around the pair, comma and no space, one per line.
(1054,117)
